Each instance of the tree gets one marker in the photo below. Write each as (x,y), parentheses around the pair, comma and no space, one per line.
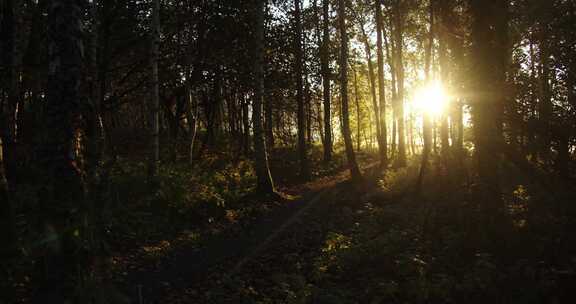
(300,116)
(398,20)
(485,101)
(264,183)
(58,154)
(352,165)
(544,71)
(381,115)
(426,119)
(444,73)
(325,67)
(7,228)
(155,95)
(371,78)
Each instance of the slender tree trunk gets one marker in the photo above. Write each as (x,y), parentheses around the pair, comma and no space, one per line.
(155,96)
(353,166)
(268,105)
(325,67)
(357,102)
(319,120)
(301,115)
(191,116)
(246,126)
(94,127)
(444,74)
(264,179)
(545,102)
(15,69)
(308,108)
(12,31)
(399,43)
(382,138)
(390,57)
(7,226)
(371,78)
(426,124)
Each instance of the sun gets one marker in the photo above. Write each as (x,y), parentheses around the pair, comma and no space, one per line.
(431,99)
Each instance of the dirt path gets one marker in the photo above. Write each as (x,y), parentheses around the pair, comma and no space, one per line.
(187,267)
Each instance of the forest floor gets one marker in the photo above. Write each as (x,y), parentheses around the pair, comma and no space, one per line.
(182,274)
(331,241)
(204,236)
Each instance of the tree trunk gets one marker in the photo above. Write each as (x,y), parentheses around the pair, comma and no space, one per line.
(371,78)
(94,127)
(264,179)
(11,28)
(352,165)
(7,226)
(246,126)
(357,102)
(268,109)
(62,122)
(300,116)
(399,44)
(382,138)
(485,105)
(545,103)
(191,116)
(391,64)
(325,67)
(14,9)
(155,96)
(426,123)
(444,74)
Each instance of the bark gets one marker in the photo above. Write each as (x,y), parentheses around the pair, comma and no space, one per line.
(399,44)
(358,119)
(444,74)
(382,138)
(308,112)
(264,179)
(371,78)
(246,126)
(11,30)
(94,127)
(426,122)
(350,155)
(7,226)
(391,64)
(325,68)
(58,156)
(300,116)
(545,102)
(192,107)
(268,105)
(154,97)
(485,105)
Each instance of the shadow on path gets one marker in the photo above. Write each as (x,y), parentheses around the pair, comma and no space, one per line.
(187,266)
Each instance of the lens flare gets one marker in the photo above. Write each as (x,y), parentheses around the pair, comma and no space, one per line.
(431,99)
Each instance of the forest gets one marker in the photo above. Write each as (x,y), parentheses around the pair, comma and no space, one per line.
(287,151)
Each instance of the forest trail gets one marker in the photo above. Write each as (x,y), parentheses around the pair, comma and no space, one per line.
(229,253)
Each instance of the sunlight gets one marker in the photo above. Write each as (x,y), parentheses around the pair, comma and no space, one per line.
(431,99)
